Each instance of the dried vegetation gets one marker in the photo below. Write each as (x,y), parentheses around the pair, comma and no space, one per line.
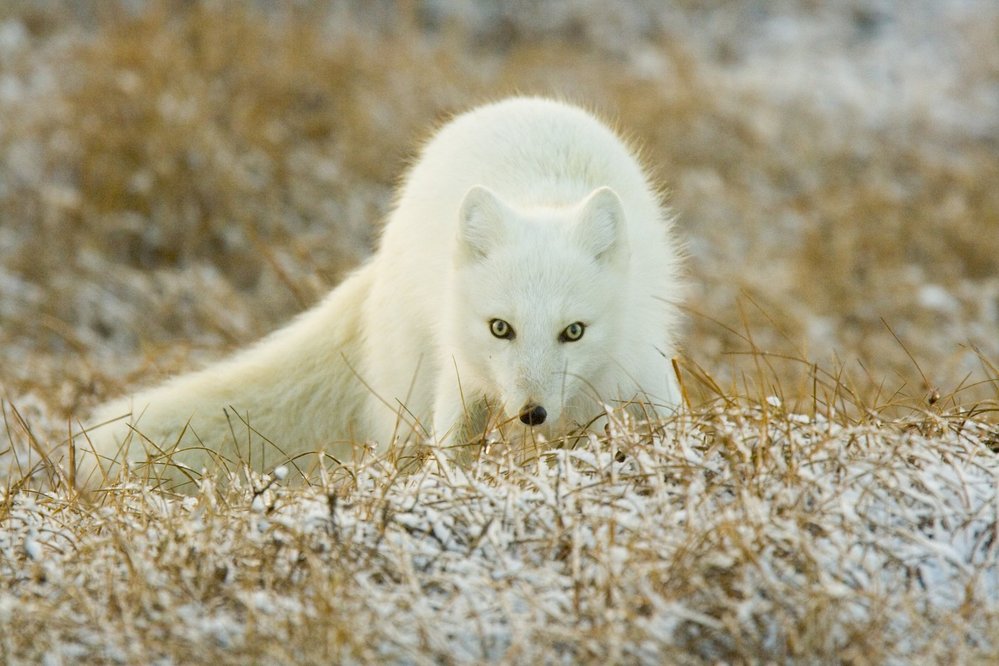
(177,178)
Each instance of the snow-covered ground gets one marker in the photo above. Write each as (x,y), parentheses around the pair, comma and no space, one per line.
(176,179)
(748,536)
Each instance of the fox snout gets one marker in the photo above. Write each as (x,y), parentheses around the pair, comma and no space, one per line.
(538,388)
(541,403)
(533,415)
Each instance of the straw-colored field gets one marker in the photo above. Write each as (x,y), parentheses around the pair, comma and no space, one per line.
(179,178)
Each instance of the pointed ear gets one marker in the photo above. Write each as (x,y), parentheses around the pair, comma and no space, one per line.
(601,229)
(481,224)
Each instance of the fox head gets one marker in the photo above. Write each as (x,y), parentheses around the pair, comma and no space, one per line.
(536,299)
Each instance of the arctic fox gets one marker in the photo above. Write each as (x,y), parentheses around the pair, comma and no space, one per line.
(526,278)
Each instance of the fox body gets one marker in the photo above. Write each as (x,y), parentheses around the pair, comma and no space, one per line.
(526,276)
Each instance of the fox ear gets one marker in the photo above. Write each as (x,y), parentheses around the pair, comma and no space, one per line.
(601,229)
(481,223)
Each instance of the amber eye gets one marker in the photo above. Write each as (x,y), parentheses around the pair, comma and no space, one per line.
(501,329)
(572,332)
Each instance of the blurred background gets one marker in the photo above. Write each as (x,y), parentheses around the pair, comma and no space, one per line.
(178,178)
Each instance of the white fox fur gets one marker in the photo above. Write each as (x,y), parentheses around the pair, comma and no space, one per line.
(527,212)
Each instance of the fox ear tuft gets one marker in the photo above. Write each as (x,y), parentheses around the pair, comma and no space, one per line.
(601,229)
(481,223)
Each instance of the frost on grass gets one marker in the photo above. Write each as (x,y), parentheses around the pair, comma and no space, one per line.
(732,534)
(834,163)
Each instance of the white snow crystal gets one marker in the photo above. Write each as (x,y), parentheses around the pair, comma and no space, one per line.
(32,548)
(13,36)
(936,298)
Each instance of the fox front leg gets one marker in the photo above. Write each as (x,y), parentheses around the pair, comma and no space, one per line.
(458,419)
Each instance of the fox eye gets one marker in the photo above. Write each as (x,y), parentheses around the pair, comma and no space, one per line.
(572,332)
(501,329)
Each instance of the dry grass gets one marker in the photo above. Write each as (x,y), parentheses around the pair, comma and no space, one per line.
(831,496)
(744,534)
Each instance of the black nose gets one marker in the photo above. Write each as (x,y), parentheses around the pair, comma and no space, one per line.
(533,415)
